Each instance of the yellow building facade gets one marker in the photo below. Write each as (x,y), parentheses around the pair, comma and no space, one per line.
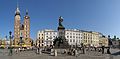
(103,41)
(90,38)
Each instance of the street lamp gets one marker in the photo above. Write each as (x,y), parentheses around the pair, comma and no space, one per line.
(10,33)
(21,42)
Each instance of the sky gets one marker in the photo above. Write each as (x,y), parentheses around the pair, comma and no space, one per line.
(94,15)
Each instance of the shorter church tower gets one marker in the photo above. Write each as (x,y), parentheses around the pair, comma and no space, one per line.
(27,38)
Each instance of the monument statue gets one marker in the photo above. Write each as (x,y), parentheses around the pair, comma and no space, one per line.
(60,41)
(60,21)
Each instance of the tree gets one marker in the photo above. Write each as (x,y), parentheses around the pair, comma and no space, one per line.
(114,38)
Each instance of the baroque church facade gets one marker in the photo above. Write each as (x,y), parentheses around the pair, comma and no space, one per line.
(21,30)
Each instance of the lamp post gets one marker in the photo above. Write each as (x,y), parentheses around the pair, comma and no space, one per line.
(21,42)
(10,33)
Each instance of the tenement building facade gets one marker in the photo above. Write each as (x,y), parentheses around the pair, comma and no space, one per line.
(90,38)
(21,30)
(46,37)
(73,36)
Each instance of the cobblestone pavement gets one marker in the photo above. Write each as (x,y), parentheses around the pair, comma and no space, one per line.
(33,55)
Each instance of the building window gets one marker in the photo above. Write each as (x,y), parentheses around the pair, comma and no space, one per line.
(42,41)
(73,36)
(71,40)
(91,41)
(39,37)
(67,36)
(26,22)
(79,41)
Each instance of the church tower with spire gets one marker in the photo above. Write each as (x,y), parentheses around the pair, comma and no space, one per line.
(27,29)
(21,30)
(17,26)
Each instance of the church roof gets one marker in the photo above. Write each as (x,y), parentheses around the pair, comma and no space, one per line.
(22,27)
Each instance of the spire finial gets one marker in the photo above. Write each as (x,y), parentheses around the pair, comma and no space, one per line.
(17,4)
(26,11)
(17,12)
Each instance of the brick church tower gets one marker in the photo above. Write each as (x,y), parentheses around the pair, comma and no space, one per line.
(21,31)
(17,26)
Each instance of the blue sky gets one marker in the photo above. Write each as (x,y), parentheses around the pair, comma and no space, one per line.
(95,15)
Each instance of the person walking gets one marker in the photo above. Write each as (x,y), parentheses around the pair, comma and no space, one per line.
(108,50)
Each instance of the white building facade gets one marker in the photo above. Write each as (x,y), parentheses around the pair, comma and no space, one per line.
(50,35)
(47,36)
(73,36)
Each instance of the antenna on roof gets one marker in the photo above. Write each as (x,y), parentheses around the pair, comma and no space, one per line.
(17,4)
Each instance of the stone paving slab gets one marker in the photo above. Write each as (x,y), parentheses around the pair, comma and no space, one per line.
(33,55)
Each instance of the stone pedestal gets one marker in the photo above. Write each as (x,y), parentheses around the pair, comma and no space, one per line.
(76,52)
(52,52)
(55,52)
(40,51)
(37,51)
(62,51)
(65,51)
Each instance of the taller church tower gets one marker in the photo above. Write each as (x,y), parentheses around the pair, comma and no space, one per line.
(17,26)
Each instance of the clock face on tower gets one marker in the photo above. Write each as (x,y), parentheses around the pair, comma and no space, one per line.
(26,17)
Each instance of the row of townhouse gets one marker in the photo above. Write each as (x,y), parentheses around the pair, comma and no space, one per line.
(4,42)
(73,36)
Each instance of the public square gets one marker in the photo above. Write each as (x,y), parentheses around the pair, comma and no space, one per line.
(59,29)
(32,55)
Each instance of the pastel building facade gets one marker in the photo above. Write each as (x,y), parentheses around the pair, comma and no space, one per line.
(73,36)
(46,37)
(90,38)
